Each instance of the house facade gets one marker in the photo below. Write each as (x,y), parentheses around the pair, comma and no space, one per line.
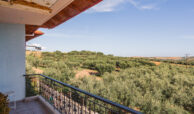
(19,22)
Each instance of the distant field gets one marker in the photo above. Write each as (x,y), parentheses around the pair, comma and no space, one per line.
(168,58)
(174,60)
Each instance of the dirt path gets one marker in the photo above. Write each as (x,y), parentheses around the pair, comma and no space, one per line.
(79,74)
(36,70)
(36,53)
(156,63)
(87,73)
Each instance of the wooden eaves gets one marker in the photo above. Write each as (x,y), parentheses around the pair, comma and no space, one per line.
(75,8)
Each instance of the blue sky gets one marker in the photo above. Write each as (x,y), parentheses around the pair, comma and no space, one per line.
(127,28)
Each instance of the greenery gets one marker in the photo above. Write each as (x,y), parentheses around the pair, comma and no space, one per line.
(4,108)
(183,61)
(134,82)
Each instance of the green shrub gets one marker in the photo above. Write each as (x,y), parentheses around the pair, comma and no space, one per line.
(102,68)
(152,89)
(4,108)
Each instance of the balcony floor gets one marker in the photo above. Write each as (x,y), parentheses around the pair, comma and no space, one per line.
(34,106)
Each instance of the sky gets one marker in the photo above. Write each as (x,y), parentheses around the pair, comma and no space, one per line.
(127,28)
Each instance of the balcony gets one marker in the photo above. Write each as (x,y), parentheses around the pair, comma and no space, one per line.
(48,96)
(32,105)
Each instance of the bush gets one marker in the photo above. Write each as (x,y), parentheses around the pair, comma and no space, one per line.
(102,68)
(4,108)
(152,89)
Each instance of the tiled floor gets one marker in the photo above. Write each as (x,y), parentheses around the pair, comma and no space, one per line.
(30,107)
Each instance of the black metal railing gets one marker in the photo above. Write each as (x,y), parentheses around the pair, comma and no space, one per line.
(71,100)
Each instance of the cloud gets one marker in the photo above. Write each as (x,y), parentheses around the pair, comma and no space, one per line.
(38,45)
(143,5)
(112,5)
(148,7)
(30,46)
(107,6)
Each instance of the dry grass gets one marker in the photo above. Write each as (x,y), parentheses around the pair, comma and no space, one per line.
(156,63)
(87,73)
(37,71)
(36,53)
(169,58)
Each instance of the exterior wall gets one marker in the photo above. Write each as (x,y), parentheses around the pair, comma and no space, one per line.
(12,59)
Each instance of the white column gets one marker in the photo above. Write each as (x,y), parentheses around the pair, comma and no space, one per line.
(12,59)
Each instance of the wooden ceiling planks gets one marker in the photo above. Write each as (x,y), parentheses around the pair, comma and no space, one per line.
(30,4)
(31,28)
(75,8)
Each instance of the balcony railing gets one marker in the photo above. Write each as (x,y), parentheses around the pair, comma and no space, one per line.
(71,100)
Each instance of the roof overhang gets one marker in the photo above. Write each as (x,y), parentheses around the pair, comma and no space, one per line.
(40,14)
(34,35)
(30,13)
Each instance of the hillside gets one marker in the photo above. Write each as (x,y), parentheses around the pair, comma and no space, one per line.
(134,82)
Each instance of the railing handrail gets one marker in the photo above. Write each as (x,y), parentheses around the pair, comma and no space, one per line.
(89,94)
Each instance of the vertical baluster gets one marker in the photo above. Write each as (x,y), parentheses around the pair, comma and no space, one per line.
(94,106)
(85,104)
(105,110)
(46,91)
(55,95)
(34,86)
(43,87)
(38,82)
(111,111)
(82,104)
(64,101)
(52,94)
(40,89)
(57,98)
(72,101)
(75,99)
(61,101)
(89,107)
(78,104)
(69,101)
(119,112)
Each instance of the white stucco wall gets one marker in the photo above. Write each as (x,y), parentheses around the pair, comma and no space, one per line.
(12,59)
